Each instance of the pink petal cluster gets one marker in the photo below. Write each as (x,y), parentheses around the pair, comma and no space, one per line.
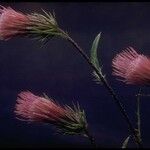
(132,67)
(12,23)
(30,107)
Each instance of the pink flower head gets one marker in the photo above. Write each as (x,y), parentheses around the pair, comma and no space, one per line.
(30,107)
(132,67)
(12,23)
(34,108)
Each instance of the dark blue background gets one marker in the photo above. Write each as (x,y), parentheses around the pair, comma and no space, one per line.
(59,71)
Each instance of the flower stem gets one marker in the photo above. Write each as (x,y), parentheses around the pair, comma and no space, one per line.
(107,86)
(91,138)
(138,114)
(144,95)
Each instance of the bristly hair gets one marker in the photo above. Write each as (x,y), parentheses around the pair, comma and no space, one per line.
(133,68)
(67,120)
(38,26)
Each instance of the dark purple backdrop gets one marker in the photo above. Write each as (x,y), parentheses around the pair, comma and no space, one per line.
(59,71)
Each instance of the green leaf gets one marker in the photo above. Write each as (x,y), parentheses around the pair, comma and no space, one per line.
(125,143)
(94,58)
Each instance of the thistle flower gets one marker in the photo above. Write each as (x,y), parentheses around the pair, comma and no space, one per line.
(14,23)
(132,67)
(33,108)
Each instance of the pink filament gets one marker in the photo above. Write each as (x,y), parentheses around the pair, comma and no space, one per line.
(132,67)
(34,108)
(12,23)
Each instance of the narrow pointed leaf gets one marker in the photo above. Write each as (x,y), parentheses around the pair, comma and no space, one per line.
(94,58)
(125,143)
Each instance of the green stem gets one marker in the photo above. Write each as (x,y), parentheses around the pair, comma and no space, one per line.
(91,138)
(138,114)
(106,84)
(144,95)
